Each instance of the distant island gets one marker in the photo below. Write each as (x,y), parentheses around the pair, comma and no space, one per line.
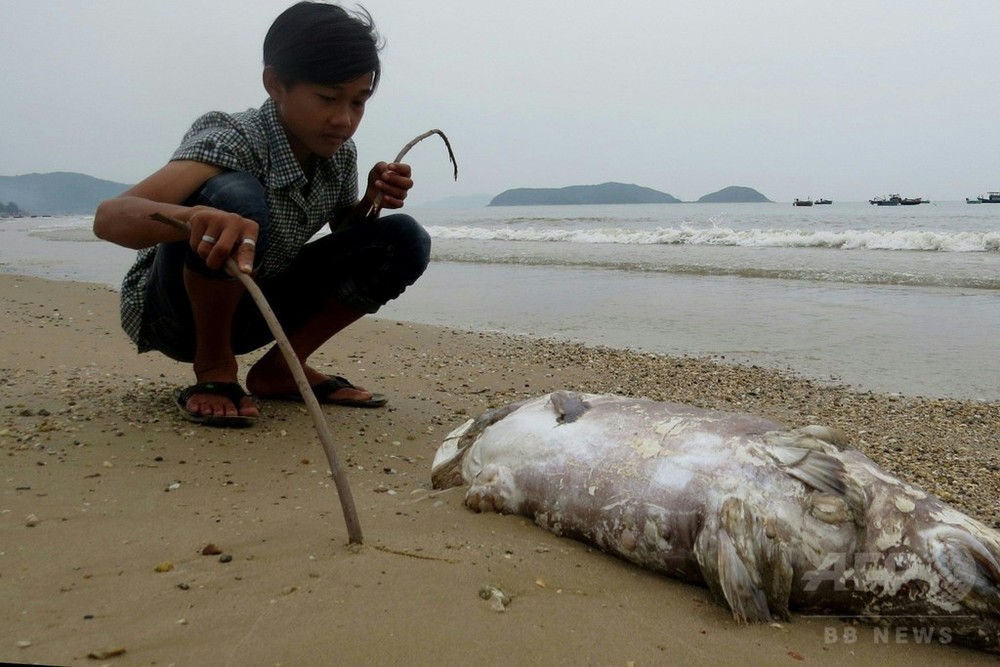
(615,193)
(734,194)
(67,193)
(57,193)
(605,193)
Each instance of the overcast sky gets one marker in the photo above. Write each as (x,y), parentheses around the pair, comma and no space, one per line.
(846,99)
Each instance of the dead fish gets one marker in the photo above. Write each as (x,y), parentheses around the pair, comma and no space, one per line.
(771,519)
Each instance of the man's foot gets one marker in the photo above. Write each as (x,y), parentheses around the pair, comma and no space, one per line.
(328,390)
(216,404)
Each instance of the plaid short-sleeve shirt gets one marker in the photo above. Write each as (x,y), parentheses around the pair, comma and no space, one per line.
(254,141)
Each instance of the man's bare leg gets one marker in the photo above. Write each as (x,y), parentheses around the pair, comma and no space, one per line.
(271,376)
(213,304)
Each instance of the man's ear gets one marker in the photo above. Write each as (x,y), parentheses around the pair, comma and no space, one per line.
(272,83)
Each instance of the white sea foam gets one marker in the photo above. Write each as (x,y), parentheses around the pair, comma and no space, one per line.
(852,239)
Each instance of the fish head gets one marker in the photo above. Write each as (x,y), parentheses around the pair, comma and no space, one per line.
(942,573)
(966,559)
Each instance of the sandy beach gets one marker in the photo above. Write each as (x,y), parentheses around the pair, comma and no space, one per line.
(109,499)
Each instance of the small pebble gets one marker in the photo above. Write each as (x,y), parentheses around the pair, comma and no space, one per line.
(225,558)
(497,598)
(165,566)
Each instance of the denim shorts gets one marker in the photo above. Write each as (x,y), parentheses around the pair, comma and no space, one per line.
(362,267)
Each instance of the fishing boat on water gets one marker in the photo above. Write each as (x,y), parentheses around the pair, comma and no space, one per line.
(823,201)
(990,198)
(896,200)
(802,202)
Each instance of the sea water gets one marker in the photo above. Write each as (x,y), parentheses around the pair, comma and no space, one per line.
(890,299)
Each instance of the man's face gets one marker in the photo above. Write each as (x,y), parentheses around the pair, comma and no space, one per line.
(319,118)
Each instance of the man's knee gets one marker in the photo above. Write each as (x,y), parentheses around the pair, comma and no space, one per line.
(410,239)
(236,192)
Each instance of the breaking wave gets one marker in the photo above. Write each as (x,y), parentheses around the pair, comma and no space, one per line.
(914,240)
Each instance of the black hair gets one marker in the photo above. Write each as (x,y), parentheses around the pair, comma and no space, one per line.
(317,42)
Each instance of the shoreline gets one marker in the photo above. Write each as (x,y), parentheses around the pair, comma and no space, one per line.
(103,481)
(868,336)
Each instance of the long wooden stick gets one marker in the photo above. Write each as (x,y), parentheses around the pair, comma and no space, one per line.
(298,372)
(377,204)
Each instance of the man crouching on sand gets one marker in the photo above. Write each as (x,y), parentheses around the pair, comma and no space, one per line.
(256,186)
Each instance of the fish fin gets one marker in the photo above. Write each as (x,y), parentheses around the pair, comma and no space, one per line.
(569,405)
(485,420)
(740,584)
(493,490)
(816,469)
(812,456)
(827,434)
(750,569)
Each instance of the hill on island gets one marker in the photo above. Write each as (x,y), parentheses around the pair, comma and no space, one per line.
(57,193)
(734,194)
(605,193)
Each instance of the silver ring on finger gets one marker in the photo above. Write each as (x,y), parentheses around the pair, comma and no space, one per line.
(250,242)
(208,238)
